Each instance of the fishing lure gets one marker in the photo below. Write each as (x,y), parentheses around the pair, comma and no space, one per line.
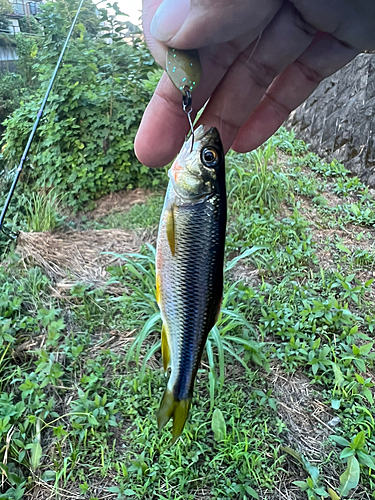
(184,70)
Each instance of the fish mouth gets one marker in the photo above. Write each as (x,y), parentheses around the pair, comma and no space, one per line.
(206,132)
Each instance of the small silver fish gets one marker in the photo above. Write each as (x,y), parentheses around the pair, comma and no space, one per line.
(189,266)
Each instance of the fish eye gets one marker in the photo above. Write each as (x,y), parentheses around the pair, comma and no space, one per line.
(210,157)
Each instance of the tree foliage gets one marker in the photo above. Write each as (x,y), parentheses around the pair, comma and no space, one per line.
(5,10)
(84,144)
(14,85)
(28,24)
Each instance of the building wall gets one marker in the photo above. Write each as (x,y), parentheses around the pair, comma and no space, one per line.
(338,119)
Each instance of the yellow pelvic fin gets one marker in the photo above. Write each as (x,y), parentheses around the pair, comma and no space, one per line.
(158,291)
(170,228)
(218,310)
(165,352)
(171,407)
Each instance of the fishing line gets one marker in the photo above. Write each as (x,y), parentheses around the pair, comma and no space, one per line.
(8,232)
(255,47)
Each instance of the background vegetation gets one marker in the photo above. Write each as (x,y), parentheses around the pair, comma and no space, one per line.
(283,406)
(84,144)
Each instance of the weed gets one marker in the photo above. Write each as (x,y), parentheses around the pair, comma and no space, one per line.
(347,186)
(333,169)
(231,335)
(42,211)
(255,184)
(139,216)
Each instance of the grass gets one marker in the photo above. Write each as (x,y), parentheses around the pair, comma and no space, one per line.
(42,211)
(145,215)
(283,406)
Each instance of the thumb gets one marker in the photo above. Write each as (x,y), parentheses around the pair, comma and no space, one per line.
(191,24)
(169,18)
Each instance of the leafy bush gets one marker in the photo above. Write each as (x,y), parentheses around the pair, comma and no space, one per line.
(84,143)
(28,24)
(5,9)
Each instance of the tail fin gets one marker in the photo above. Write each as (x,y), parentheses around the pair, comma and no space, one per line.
(171,407)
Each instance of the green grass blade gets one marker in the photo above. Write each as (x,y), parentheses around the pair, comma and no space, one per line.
(137,344)
(232,353)
(212,374)
(220,350)
(156,347)
(246,253)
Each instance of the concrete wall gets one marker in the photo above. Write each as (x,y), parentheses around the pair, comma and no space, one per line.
(338,119)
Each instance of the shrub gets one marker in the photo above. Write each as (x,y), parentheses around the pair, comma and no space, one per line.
(83,147)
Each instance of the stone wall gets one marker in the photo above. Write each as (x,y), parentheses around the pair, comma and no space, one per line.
(338,119)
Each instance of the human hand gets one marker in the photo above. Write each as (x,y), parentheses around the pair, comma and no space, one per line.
(260,60)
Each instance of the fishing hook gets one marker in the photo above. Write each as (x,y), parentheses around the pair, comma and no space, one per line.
(187,107)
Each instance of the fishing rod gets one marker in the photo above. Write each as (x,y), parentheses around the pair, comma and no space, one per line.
(4,230)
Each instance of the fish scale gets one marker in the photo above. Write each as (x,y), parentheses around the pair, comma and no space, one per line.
(195,286)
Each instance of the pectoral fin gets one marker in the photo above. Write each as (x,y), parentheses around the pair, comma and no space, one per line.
(170,228)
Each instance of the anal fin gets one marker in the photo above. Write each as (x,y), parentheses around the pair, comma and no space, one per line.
(165,351)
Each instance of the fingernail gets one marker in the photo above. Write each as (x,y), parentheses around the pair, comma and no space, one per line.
(169,18)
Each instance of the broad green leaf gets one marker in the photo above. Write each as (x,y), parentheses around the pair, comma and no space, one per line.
(316,343)
(321,491)
(310,469)
(335,403)
(359,441)
(368,395)
(360,365)
(347,452)
(333,494)
(251,491)
(366,459)
(355,350)
(36,455)
(365,349)
(218,425)
(350,478)
(340,440)
(301,484)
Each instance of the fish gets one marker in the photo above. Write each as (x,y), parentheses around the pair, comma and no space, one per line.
(190,267)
